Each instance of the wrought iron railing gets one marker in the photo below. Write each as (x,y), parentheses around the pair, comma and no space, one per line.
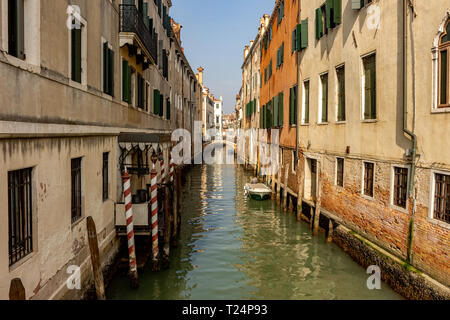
(131,21)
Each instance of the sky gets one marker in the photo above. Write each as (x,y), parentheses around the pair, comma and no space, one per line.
(214,35)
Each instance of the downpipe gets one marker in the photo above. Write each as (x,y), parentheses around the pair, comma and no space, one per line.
(413,137)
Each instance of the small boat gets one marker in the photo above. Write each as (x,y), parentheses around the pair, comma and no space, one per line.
(257,191)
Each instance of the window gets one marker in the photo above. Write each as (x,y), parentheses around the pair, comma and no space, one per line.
(280,13)
(293,106)
(340,74)
(105,175)
(161,105)
(20,231)
(168,109)
(442,197)
(16,38)
(333,13)
(270,69)
(76,43)
(340,172)
(294,160)
(400,187)
(280,55)
(369,85)
(108,70)
(306,102)
(76,189)
(358,4)
(321,23)
(294,40)
(323,99)
(141,91)
(126,82)
(444,70)
(368,179)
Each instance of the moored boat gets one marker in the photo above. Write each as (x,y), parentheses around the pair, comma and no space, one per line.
(257,191)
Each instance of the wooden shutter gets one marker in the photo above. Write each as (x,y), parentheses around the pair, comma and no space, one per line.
(275,111)
(294,38)
(337,11)
(282,54)
(105,67)
(303,43)
(329,13)
(306,102)
(318,23)
(357,4)
(294,106)
(281,109)
(156,102)
(124,80)
(111,72)
(76,55)
(168,109)
(161,105)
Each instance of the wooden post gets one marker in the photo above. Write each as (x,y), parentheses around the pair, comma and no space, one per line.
(330,231)
(285,191)
(311,218)
(175,210)
(178,208)
(130,229)
(318,201)
(154,215)
(167,227)
(16,290)
(95,259)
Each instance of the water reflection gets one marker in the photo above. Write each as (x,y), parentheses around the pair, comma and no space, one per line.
(231,247)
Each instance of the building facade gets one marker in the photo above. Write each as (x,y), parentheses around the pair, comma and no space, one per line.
(82,83)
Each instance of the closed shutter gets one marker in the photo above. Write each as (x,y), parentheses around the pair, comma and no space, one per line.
(281,109)
(282,54)
(168,110)
(105,67)
(156,102)
(294,38)
(125,80)
(140,91)
(318,23)
(275,112)
(161,105)
(111,72)
(303,43)
(291,106)
(357,4)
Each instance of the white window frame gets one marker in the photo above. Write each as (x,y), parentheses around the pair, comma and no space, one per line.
(304,103)
(336,171)
(391,198)
(336,105)
(363,83)
(319,112)
(430,217)
(435,67)
(362,179)
(84,43)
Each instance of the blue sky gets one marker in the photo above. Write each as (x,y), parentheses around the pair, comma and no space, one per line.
(214,34)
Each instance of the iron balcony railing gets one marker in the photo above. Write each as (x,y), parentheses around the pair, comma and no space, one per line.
(131,21)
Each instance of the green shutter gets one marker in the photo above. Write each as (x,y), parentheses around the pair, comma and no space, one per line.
(275,111)
(299,36)
(329,13)
(161,105)
(282,53)
(357,4)
(111,72)
(304,34)
(105,68)
(337,11)
(129,95)
(319,25)
(281,109)
(291,105)
(124,80)
(156,102)
(294,38)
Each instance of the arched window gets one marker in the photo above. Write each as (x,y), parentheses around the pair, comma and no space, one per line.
(444,68)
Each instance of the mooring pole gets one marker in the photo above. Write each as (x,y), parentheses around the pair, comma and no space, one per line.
(167,228)
(154,211)
(16,290)
(95,259)
(130,229)
(174,206)
(178,208)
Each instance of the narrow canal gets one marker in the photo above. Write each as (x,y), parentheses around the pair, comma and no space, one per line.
(231,247)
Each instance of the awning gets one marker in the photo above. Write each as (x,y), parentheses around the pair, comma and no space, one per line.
(129,139)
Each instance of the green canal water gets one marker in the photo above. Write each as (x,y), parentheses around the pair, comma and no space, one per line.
(231,247)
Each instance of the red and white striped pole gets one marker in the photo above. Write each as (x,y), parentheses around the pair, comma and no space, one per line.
(130,228)
(163,170)
(154,209)
(171,170)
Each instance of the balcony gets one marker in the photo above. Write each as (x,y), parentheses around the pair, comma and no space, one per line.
(137,35)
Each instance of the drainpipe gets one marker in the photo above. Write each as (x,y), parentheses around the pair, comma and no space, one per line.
(405,130)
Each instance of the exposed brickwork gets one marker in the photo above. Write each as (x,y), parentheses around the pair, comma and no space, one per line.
(292,177)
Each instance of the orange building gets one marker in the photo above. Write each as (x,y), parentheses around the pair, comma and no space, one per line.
(279,79)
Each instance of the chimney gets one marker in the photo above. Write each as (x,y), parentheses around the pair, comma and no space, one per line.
(200,75)
(246,50)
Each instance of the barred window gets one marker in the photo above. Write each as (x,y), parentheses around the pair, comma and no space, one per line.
(105,174)
(368,179)
(20,237)
(76,189)
(340,172)
(442,198)
(400,186)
